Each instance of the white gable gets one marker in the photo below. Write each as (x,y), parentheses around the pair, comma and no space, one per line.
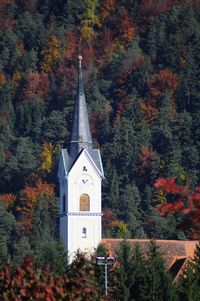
(84,159)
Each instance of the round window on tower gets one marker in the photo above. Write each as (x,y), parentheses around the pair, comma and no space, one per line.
(84,202)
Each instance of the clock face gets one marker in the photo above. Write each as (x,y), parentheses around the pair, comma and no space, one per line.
(84,181)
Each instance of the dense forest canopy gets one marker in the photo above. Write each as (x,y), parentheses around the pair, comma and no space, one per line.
(141,62)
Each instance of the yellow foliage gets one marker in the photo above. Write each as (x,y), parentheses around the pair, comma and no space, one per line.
(2,79)
(162,164)
(86,32)
(51,54)
(180,174)
(90,19)
(160,197)
(46,157)
(120,228)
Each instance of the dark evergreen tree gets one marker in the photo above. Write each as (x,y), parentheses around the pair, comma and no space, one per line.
(189,282)
(7,224)
(123,276)
(129,205)
(47,249)
(158,284)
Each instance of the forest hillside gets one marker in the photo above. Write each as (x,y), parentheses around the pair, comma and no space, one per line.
(141,66)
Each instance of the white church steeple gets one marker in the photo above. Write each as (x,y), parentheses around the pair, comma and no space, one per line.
(80,174)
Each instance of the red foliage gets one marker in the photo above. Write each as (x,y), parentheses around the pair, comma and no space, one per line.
(71,44)
(27,283)
(155,8)
(37,85)
(129,64)
(187,203)
(104,54)
(157,86)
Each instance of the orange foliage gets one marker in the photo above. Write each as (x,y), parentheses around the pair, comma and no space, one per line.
(20,47)
(149,110)
(30,198)
(2,79)
(37,85)
(16,79)
(145,157)
(165,79)
(107,8)
(7,199)
(71,45)
(187,203)
(126,28)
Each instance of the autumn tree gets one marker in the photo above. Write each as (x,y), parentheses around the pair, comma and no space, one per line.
(46,157)
(51,54)
(29,282)
(29,199)
(37,86)
(183,201)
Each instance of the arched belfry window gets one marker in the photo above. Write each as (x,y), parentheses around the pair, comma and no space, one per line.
(64,203)
(84,202)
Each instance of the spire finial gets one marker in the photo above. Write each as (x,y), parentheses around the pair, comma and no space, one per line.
(80,59)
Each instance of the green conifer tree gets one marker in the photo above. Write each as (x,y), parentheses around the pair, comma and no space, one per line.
(189,283)
(122,277)
(158,284)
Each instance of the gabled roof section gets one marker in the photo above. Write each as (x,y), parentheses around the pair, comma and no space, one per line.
(64,162)
(96,157)
(67,163)
(176,253)
(80,133)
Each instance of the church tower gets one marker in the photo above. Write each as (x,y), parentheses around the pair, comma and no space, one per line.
(80,174)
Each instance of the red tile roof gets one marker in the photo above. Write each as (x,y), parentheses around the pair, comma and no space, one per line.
(171,250)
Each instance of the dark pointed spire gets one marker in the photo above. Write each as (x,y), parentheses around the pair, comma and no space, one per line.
(80,134)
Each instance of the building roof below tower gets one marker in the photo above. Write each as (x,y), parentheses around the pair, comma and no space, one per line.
(175,252)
